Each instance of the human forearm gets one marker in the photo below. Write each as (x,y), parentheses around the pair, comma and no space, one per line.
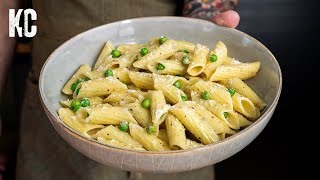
(7,44)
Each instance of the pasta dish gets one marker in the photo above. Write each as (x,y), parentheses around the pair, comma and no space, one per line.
(163,95)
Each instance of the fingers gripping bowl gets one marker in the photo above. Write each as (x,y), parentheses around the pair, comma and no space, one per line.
(84,49)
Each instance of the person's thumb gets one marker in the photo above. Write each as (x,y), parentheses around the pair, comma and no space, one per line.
(228,18)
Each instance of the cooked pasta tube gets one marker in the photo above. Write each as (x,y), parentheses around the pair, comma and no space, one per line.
(242,88)
(244,106)
(171,93)
(243,122)
(164,51)
(184,45)
(199,60)
(104,115)
(138,94)
(198,126)
(93,102)
(215,59)
(99,87)
(111,132)
(68,117)
(116,97)
(243,71)
(149,142)
(212,121)
(106,51)
(141,80)
(163,135)
(81,73)
(172,67)
(130,47)
(176,132)
(226,115)
(142,115)
(119,144)
(215,91)
(192,144)
(158,106)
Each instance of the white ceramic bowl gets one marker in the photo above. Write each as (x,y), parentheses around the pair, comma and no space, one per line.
(85,47)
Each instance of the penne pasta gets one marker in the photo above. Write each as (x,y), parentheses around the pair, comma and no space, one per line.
(163,135)
(198,126)
(158,107)
(104,115)
(172,67)
(161,95)
(223,113)
(141,80)
(243,71)
(192,144)
(164,51)
(81,72)
(242,88)
(148,141)
(171,93)
(142,115)
(119,144)
(244,106)
(99,87)
(176,133)
(199,60)
(68,117)
(106,51)
(220,52)
(111,132)
(94,101)
(216,92)
(184,45)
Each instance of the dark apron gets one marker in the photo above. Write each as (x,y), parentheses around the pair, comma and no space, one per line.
(42,153)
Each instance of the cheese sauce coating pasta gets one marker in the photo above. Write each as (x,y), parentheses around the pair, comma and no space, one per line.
(163,95)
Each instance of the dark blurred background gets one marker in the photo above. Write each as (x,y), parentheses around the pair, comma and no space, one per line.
(289,28)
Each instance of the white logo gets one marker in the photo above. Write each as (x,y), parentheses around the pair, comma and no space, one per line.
(14,23)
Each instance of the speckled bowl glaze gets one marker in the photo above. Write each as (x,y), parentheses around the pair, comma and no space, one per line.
(85,47)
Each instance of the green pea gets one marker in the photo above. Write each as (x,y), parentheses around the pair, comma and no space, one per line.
(225,114)
(145,103)
(184,98)
(160,67)
(75,109)
(232,91)
(185,51)
(74,86)
(124,126)
(108,73)
(162,39)
(144,51)
(177,84)
(85,102)
(205,95)
(213,58)
(151,129)
(185,60)
(77,91)
(116,53)
(75,103)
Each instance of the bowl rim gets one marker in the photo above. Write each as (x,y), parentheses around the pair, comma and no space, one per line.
(72,132)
